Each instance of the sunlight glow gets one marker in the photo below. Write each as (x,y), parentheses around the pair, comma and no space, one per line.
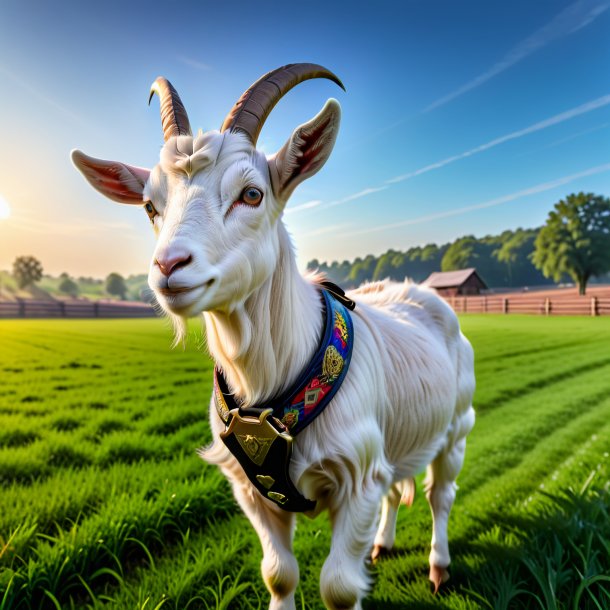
(5,209)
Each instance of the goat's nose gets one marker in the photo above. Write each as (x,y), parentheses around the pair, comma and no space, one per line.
(171,261)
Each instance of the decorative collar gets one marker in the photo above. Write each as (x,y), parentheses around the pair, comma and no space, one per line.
(260,437)
(297,407)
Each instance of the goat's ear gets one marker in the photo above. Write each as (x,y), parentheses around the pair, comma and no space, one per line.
(305,152)
(117,181)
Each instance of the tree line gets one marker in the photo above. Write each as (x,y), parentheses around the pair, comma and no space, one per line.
(500,260)
(574,244)
(28,271)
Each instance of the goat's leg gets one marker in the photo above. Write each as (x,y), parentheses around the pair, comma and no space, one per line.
(275,529)
(440,492)
(344,579)
(402,492)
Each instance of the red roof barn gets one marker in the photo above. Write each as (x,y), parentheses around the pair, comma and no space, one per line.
(453,283)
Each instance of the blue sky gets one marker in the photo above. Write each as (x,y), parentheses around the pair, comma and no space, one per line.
(459,117)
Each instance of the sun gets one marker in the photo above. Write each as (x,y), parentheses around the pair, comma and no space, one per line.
(5,209)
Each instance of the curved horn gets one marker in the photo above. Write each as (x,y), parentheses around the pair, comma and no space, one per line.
(174,119)
(253,107)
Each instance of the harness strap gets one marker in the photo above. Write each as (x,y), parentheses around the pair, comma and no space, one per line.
(261,437)
(263,448)
(339,294)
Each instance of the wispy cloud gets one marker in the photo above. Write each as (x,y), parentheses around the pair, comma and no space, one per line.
(319,203)
(358,195)
(314,203)
(540,125)
(194,63)
(569,138)
(539,188)
(574,17)
(328,229)
(554,120)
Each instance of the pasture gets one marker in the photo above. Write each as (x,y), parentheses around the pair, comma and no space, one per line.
(104,502)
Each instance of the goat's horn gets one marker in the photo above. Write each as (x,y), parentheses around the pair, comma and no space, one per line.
(174,119)
(253,107)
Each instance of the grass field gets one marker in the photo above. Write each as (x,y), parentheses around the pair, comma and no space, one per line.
(103,501)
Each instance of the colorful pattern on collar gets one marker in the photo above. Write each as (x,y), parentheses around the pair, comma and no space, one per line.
(318,383)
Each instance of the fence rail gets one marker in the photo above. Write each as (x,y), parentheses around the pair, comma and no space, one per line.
(546,306)
(26,308)
(557,305)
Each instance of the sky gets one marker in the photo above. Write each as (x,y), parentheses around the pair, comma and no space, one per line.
(459,118)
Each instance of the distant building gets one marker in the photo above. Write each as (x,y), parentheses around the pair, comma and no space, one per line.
(454,283)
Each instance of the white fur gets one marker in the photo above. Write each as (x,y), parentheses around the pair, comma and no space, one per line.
(406,402)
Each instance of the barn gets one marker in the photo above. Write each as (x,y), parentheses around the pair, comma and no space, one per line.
(454,283)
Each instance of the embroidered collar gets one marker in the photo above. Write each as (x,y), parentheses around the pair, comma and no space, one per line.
(251,431)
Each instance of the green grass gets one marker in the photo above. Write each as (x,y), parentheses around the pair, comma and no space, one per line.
(104,503)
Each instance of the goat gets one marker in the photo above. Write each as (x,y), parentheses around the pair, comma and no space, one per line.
(222,250)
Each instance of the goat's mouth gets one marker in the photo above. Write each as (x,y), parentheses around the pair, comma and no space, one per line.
(170,292)
(186,300)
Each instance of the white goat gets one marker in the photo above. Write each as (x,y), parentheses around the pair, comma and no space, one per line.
(216,203)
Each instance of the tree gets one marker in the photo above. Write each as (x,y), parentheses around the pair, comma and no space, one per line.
(27,270)
(384,267)
(361,270)
(575,239)
(115,284)
(469,252)
(424,261)
(68,286)
(515,249)
(460,254)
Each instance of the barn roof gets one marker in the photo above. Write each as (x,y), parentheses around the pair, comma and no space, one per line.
(451,279)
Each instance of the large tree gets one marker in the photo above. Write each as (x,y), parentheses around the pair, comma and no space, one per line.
(68,286)
(575,239)
(27,270)
(115,285)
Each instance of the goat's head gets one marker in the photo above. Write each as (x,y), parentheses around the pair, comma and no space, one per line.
(214,200)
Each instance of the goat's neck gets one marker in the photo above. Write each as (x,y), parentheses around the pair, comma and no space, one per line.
(263,346)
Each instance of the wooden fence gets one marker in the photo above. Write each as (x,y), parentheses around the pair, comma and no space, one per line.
(25,308)
(557,305)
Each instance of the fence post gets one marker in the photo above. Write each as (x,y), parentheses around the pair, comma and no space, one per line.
(96,310)
(21,308)
(62,309)
(485,304)
(504,305)
(465,304)
(594,308)
(547,306)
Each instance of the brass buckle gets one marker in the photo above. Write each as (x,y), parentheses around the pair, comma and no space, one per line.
(254,434)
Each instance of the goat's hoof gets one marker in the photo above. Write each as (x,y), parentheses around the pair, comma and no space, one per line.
(408,494)
(438,576)
(379,552)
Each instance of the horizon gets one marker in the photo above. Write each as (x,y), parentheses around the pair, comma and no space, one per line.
(329,261)
(457,120)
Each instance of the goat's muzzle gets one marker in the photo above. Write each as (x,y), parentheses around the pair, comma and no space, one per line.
(173,261)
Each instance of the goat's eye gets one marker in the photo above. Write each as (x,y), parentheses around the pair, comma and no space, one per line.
(251,196)
(150,210)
